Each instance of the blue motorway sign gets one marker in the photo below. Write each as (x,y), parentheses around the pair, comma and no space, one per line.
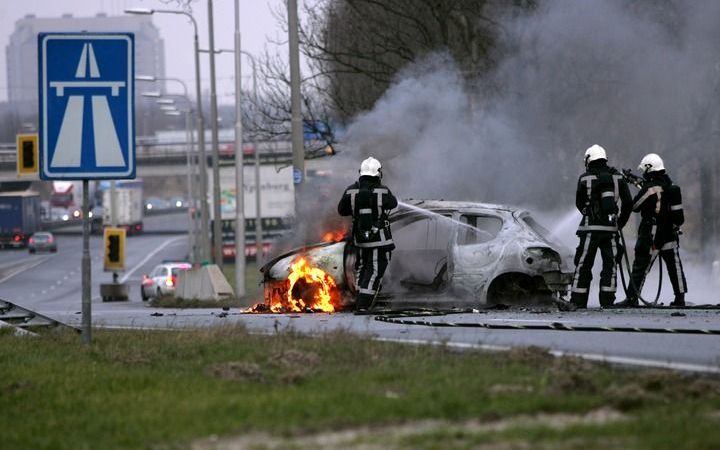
(87,106)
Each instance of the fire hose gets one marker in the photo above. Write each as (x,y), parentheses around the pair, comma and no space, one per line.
(631,283)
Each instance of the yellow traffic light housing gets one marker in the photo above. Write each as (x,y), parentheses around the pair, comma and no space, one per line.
(114,245)
(27,155)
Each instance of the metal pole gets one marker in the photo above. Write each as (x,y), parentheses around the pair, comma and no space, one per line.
(86,306)
(217,215)
(113,216)
(204,215)
(191,226)
(259,247)
(239,168)
(297,133)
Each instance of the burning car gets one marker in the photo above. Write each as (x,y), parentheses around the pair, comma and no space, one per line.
(446,251)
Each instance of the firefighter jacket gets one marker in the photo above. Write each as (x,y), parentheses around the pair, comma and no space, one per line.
(369,203)
(659,203)
(598,192)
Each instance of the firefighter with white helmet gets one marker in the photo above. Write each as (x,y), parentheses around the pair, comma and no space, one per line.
(369,203)
(599,190)
(659,203)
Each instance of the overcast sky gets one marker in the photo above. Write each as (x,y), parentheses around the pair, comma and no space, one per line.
(257,22)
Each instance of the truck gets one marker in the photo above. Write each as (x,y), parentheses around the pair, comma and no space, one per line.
(68,195)
(19,217)
(128,207)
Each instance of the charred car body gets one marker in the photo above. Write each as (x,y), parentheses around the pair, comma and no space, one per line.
(464,252)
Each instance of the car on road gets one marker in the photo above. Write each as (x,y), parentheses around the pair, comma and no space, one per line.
(162,280)
(449,252)
(156,204)
(42,241)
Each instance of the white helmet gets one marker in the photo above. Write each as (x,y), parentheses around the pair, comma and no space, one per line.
(371,167)
(651,163)
(594,153)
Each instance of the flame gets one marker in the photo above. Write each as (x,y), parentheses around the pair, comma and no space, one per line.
(333,236)
(307,288)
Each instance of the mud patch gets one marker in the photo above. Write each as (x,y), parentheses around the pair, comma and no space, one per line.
(294,365)
(402,436)
(236,371)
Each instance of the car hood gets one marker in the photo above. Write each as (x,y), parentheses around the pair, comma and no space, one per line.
(327,256)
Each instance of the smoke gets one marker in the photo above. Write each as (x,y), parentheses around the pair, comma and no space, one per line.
(635,77)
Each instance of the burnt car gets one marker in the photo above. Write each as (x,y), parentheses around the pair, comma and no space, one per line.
(446,251)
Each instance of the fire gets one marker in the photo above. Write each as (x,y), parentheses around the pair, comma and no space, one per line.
(333,236)
(307,288)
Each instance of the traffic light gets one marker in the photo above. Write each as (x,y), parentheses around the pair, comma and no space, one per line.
(27,155)
(114,239)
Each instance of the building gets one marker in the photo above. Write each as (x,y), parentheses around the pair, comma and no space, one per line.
(22,59)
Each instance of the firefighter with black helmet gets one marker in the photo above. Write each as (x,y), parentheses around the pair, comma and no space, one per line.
(599,190)
(369,203)
(659,203)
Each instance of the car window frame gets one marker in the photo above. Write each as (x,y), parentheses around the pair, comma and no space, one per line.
(460,216)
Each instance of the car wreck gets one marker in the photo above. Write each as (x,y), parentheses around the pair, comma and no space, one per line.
(447,252)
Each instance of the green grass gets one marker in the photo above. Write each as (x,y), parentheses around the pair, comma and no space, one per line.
(152,389)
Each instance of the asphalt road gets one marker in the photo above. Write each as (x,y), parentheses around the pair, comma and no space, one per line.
(50,284)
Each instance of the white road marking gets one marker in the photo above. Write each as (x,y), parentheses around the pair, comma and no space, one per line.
(150,255)
(23,268)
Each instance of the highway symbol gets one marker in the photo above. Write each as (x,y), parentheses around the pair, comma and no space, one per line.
(87,105)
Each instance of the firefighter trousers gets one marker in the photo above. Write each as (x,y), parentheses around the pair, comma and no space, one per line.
(645,255)
(590,243)
(370,265)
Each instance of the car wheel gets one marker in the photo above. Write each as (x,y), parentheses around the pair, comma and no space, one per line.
(512,289)
(53,250)
(32,250)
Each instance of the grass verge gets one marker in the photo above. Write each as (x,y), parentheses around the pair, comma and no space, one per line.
(169,390)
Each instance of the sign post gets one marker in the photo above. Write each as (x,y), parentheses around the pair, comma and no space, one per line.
(86,90)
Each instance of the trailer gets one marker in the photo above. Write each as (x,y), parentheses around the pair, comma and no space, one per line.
(19,217)
(128,208)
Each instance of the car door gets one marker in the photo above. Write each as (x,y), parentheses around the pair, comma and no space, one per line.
(420,260)
(476,251)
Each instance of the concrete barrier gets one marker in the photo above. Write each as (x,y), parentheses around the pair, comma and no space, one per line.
(203,283)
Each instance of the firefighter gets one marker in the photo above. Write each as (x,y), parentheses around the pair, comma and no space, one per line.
(659,203)
(599,190)
(369,203)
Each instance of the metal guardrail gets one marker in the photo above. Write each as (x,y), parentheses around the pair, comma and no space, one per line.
(176,153)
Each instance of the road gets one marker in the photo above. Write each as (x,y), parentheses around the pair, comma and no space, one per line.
(50,284)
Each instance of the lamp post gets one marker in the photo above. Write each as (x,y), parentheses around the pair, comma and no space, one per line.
(217,213)
(239,164)
(298,149)
(204,217)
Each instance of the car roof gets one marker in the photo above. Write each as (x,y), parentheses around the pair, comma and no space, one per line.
(172,265)
(451,205)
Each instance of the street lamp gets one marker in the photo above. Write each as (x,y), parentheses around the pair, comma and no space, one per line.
(205,250)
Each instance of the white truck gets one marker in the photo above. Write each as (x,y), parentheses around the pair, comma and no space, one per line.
(128,209)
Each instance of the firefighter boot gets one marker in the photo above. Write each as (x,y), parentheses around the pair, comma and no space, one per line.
(579,300)
(363,301)
(679,301)
(607,299)
(630,302)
